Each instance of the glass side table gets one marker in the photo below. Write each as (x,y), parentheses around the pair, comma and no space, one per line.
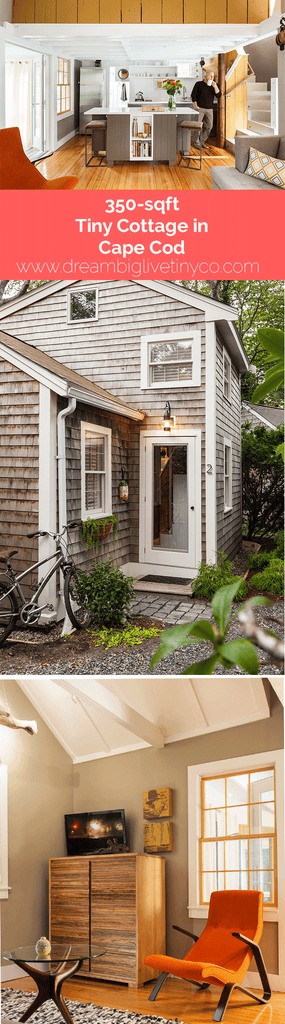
(61,963)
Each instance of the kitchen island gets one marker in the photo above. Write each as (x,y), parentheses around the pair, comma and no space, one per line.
(140,134)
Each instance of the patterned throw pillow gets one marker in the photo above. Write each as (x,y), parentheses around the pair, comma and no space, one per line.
(268,168)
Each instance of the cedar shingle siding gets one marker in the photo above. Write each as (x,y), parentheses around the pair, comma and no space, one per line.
(19,462)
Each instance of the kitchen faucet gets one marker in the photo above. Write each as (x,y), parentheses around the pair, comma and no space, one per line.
(184,93)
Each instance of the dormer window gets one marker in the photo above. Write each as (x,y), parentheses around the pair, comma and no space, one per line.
(171,360)
(82,305)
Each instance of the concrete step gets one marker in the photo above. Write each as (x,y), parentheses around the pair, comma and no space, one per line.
(163,588)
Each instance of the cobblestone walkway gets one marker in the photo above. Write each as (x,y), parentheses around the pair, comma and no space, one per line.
(172,611)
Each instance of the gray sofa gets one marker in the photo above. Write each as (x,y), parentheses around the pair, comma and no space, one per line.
(234,177)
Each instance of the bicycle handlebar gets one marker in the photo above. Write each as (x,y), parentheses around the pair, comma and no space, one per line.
(44,533)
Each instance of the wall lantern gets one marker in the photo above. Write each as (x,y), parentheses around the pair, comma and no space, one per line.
(168,420)
(280,38)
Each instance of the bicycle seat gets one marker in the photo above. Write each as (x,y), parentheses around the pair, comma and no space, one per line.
(5,555)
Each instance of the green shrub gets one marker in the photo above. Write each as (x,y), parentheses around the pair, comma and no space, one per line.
(108,592)
(259,561)
(272,578)
(211,577)
(279,550)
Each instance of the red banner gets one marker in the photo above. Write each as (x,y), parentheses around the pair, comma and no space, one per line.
(149,235)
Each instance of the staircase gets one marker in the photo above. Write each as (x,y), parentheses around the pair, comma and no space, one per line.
(258,109)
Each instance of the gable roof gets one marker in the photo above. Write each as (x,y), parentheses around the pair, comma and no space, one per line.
(215,312)
(273,417)
(60,378)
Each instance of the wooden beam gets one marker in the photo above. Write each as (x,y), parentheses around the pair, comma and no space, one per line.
(221,123)
(97,695)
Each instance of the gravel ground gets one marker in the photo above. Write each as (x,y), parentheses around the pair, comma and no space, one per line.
(43,652)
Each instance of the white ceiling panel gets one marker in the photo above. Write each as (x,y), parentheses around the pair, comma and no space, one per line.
(113,715)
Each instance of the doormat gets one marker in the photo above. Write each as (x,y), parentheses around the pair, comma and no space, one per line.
(15,1004)
(165,579)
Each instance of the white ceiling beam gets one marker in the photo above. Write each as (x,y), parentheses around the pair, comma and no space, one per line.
(97,695)
(277,685)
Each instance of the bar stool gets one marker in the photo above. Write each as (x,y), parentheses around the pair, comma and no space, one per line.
(95,126)
(190,126)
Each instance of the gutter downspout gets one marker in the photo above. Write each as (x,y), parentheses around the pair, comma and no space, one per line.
(61,474)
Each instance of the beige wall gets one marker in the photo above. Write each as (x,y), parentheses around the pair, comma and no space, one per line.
(119,782)
(40,791)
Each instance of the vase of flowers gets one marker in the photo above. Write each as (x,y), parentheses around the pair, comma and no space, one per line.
(172,85)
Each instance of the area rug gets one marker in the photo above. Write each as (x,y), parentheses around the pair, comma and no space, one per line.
(15,1003)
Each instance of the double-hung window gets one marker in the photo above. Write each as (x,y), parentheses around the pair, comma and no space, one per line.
(171,360)
(238,833)
(96,471)
(63,86)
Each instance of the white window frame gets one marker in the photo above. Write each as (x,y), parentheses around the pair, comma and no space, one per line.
(156,339)
(107,434)
(226,359)
(236,764)
(228,444)
(83,319)
(4,891)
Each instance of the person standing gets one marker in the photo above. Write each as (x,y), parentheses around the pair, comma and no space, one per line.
(203,95)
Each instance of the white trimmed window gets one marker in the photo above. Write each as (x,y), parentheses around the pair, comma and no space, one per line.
(82,305)
(227,475)
(227,373)
(96,480)
(171,360)
(238,807)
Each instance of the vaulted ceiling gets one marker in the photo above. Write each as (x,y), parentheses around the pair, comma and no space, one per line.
(99,717)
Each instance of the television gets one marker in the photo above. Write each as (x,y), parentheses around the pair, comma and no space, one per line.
(95,832)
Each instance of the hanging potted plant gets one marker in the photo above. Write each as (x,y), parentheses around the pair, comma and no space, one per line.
(94,530)
(172,85)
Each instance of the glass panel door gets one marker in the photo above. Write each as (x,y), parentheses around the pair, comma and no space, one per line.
(169,501)
(170,507)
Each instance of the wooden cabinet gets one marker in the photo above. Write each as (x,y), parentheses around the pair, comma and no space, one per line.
(118,138)
(117,900)
(164,138)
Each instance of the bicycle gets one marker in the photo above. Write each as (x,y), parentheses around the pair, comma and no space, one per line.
(13,604)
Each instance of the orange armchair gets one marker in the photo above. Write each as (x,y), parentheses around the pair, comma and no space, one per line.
(222,954)
(16,170)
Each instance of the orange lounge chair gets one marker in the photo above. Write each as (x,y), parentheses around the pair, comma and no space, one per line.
(222,954)
(16,170)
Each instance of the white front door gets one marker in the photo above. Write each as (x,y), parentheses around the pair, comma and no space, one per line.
(170,500)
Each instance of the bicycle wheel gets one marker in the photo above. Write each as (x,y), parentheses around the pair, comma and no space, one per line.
(76,606)
(8,612)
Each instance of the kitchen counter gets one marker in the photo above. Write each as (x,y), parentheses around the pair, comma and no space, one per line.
(138,135)
(138,106)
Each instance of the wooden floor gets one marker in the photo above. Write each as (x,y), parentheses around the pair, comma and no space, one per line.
(176,1000)
(69,159)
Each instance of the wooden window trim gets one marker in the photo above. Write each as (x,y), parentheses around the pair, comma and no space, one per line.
(247,837)
(63,68)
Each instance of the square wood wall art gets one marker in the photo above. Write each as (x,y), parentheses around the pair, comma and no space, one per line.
(157,837)
(157,803)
